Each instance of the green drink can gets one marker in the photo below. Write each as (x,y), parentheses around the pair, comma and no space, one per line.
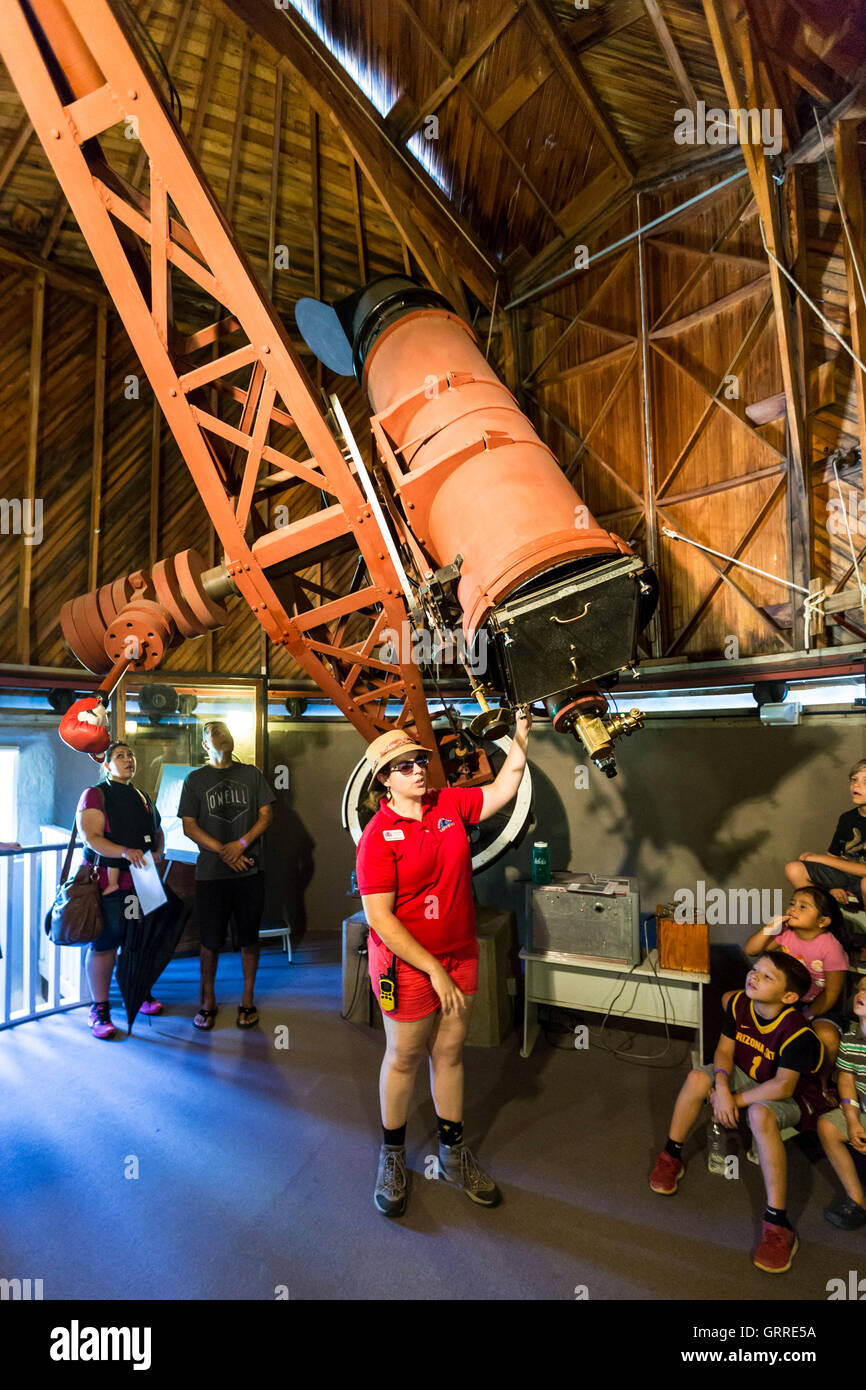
(540,862)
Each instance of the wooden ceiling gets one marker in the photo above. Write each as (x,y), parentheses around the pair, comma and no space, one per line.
(542,122)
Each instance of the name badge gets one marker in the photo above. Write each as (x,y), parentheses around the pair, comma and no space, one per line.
(393,835)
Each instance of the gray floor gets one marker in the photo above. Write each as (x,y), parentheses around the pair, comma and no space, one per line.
(255,1167)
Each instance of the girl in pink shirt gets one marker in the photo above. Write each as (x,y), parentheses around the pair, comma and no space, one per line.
(813,931)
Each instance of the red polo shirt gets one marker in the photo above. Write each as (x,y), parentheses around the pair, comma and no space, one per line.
(427,864)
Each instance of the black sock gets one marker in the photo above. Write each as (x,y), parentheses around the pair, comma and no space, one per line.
(778,1216)
(395,1137)
(450,1132)
(674,1149)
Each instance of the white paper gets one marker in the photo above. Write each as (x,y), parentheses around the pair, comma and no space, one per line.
(148,886)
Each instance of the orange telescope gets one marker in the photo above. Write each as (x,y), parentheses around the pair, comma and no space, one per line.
(502,538)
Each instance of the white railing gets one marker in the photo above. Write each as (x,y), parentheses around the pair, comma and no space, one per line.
(36,977)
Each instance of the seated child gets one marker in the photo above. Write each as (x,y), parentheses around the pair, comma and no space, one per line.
(845,1125)
(843,868)
(813,931)
(764,1064)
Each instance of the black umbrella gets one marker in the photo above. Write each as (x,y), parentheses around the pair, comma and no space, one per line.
(150,943)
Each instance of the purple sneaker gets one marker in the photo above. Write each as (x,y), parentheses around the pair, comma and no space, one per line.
(101,1025)
(151,1006)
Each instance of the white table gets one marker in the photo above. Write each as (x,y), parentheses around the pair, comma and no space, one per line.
(583,982)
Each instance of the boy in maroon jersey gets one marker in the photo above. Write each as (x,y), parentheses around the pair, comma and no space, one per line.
(767,1063)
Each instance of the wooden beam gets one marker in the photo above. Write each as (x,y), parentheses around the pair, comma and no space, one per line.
(455,75)
(29,499)
(359,221)
(72,281)
(580,316)
(155,459)
(98,437)
(61,207)
(740,356)
(601,202)
(669,48)
(711,311)
(731,50)
(238,130)
(850,181)
(756,525)
(717,400)
(701,270)
(454,82)
(17,145)
(605,359)
(517,93)
(275,177)
(169,58)
(570,69)
(418,208)
(205,86)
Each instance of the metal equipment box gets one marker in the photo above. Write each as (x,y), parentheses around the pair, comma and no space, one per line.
(600,921)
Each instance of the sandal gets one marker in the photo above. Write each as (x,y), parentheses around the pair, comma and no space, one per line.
(208,1015)
(244,1020)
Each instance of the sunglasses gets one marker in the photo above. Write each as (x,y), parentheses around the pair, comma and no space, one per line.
(406,767)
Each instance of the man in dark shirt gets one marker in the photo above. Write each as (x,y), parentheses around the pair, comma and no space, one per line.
(842,870)
(225,808)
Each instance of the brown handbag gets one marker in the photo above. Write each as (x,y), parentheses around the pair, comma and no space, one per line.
(75,918)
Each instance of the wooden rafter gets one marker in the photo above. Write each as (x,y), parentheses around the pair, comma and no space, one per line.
(850,184)
(17,146)
(738,360)
(354,179)
(98,439)
(454,81)
(671,52)
(419,210)
(717,400)
(701,269)
(29,496)
(580,317)
(731,50)
(454,75)
(723,574)
(571,70)
(275,178)
(603,412)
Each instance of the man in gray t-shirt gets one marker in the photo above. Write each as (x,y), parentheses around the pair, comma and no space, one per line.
(225,808)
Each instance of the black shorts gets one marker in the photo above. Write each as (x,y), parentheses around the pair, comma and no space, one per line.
(218,899)
(825,876)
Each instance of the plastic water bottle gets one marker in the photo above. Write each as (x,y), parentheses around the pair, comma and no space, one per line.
(540,862)
(717,1147)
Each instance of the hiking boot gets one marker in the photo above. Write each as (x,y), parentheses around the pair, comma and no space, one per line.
(776,1250)
(457,1165)
(392,1180)
(101,1025)
(845,1212)
(667,1174)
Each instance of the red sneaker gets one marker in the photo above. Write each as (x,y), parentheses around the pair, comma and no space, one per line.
(101,1025)
(665,1176)
(151,1006)
(777,1249)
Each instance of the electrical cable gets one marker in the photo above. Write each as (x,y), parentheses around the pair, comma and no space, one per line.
(156,57)
(360,974)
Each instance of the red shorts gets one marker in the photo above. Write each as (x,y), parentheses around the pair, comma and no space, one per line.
(416,997)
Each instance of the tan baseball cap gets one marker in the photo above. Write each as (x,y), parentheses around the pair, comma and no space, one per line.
(394,743)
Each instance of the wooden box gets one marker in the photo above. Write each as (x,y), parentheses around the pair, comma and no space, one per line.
(682,945)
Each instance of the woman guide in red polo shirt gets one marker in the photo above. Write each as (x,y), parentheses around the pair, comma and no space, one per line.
(414,871)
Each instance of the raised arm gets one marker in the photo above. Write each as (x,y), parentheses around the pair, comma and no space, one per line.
(508,779)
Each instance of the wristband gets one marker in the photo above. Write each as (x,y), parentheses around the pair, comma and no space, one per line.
(716,1071)
(242,841)
(845,1101)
